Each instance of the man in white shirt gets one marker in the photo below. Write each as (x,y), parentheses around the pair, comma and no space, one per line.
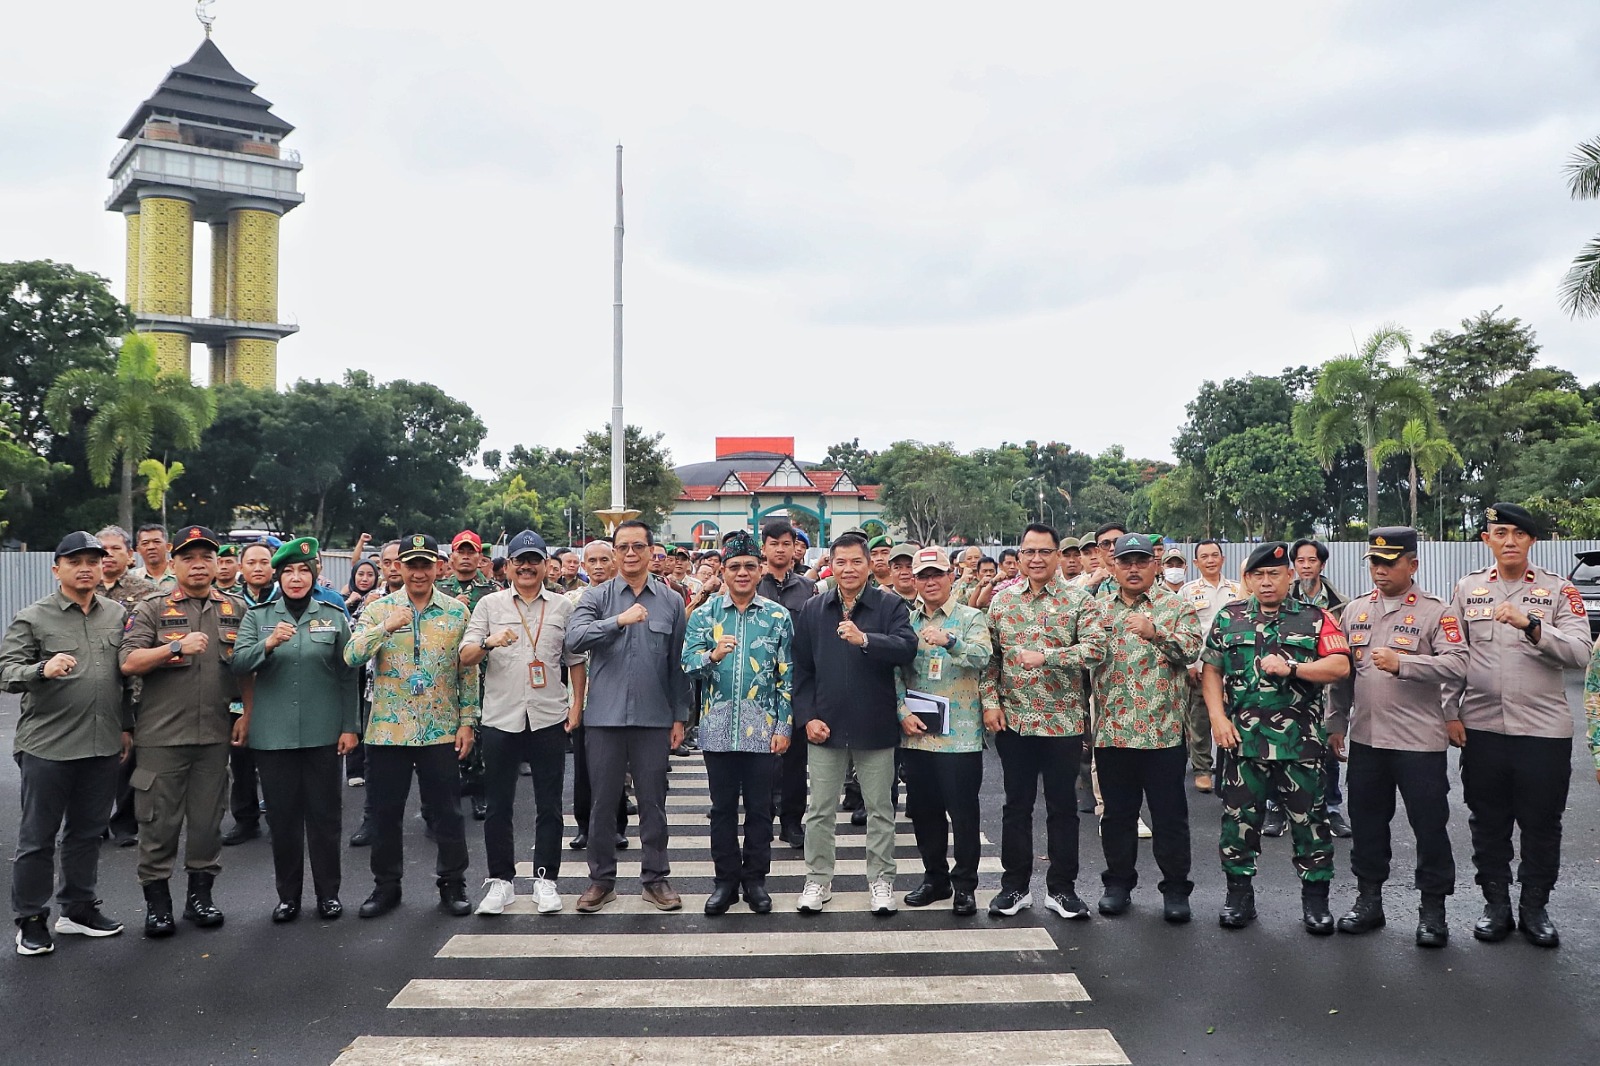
(1209,593)
(518,634)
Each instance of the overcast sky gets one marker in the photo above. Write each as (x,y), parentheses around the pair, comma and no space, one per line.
(965,222)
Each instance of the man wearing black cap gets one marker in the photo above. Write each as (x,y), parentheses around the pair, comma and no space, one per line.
(1406,644)
(71,735)
(1524,625)
(1266,660)
(783,583)
(181,644)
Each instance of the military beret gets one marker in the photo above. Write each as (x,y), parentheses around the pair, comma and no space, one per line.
(1388,543)
(1270,553)
(1509,514)
(878,542)
(228,550)
(299,550)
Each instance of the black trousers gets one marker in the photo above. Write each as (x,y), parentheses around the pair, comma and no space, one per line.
(71,797)
(1423,781)
(389,771)
(1516,782)
(942,802)
(792,782)
(1130,778)
(355,764)
(304,808)
(582,796)
(124,821)
(1024,761)
(504,752)
(243,801)
(729,775)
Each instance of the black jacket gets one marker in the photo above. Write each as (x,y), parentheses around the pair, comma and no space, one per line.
(851,689)
(796,591)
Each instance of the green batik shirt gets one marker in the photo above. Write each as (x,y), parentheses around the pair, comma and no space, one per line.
(1069,627)
(960,669)
(421,694)
(1278,718)
(1591,703)
(1141,690)
(744,699)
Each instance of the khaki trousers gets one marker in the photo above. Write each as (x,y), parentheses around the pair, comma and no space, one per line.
(174,787)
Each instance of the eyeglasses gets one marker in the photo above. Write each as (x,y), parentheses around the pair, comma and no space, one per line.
(1035,553)
(1107,544)
(632,549)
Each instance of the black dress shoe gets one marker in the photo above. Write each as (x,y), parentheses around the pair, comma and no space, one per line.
(724,894)
(124,840)
(330,908)
(964,905)
(1338,826)
(286,911)
(453,899)
(1175,908)
(579,842)
(793,835)
(1116,900)
(362,837)
(622,842)
(858,816)
(757,897)
(240,833)
(381,902)
(631,807)
(480,810)
(926,893)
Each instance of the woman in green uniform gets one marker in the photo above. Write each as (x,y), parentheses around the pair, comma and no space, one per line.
(303,717)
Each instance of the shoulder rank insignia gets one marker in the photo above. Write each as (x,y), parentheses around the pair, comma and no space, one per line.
(1412,598)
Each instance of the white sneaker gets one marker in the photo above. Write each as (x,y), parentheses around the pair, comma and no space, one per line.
(880,897)
(497,896)
(545,896)
(1144,831)
(356,782)
(813,896)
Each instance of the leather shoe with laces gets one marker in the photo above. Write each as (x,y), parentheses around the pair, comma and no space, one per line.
(286,911)
(330,908)
(453,899)
(724,894)
(381,902)
(927,893)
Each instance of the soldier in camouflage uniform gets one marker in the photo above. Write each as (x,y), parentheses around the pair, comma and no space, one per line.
(469,587)
(1265,662)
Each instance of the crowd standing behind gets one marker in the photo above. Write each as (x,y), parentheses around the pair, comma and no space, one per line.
(222,677)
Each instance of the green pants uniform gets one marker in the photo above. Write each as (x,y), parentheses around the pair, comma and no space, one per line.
(1244,787)
(180,790)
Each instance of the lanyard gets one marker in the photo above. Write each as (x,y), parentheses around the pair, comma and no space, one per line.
(533,638)
(416,637)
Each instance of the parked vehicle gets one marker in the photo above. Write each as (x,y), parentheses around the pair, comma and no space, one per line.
(1585,576)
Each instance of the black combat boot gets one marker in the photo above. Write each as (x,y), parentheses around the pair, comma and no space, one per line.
(158,910)
(1534,920)
(197,907)
(1239,909)
(1314,908)
(1496,923)
(1433,931)
(1366,914)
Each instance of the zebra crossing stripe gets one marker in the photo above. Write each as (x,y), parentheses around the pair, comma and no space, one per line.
(699,818)
(694,903)
(853,840)
(740,992)
(747,945)
(988,864)
(1042,1047)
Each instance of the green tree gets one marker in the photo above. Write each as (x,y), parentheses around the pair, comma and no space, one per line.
(128,407)
(1575,518)
(1354,401)
(1099,502)
(853,459)
(53,318)
(1567,468)
(504,507)
(1177,506)
(1266,476)
(652,486)
(1427,451)
(937,493)
(1580,289)
(158,479)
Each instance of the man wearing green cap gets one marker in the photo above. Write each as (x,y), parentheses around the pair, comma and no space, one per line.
(1266,660)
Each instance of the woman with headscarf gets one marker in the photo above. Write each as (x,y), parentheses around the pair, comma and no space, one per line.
(304,717)
(365,584)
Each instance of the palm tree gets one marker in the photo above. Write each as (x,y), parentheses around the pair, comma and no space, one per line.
(1356,397)
(1429,452)
(158,479)
(1580,289)
(128,407)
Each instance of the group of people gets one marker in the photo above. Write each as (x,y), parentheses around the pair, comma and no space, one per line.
(1093,667)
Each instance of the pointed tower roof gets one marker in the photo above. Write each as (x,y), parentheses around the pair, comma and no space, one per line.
(208,89)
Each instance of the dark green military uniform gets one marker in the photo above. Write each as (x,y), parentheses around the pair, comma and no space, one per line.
(472,770)
(1281,737)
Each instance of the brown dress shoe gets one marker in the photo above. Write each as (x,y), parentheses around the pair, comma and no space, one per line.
(1202,782)
(661,896)
(595,896)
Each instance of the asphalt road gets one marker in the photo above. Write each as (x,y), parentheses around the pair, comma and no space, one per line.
(1151,993)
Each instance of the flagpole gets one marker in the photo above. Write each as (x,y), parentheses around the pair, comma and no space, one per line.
(619,511)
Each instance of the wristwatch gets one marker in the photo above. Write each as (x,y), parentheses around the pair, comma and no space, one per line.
(1294,669)
(863,643)
(175,648)
(39,671)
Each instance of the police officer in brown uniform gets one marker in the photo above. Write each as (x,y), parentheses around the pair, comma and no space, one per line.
(181,644)
(1524,626)
(1406,644)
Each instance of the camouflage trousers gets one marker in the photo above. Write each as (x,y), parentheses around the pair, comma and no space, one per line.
(1244,787)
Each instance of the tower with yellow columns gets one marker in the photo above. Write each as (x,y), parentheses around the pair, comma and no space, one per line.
(204,148)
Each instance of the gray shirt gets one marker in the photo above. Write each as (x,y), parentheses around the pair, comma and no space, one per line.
(1405,711)
(636,674)
(84,713)
(510,702)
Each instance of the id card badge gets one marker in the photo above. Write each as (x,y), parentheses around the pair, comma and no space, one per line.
(536,674)
(936,668)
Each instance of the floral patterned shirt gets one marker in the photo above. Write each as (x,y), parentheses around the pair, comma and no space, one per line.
(1068,626)
(960,669)
(745,698)
(1141,690)
(1591,703)
(427,650)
